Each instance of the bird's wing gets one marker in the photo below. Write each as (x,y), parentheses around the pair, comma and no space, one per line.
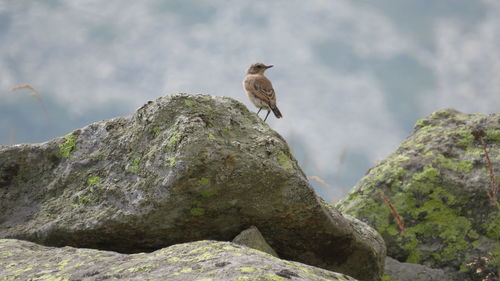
(262,88)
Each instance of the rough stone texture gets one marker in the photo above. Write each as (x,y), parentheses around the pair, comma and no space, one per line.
(252,238)
(182,168)
(201,261)
(437,182)
(401,271)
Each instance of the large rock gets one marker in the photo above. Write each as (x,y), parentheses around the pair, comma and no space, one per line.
(437,182)
(182,168)
(202,260)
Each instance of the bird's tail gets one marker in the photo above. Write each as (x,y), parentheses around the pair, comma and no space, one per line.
(276,111)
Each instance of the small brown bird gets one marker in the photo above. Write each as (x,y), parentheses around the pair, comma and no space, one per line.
(260,90)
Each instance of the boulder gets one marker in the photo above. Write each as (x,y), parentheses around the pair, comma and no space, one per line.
(201,260)
(252,238)
(182,168)
(438,184)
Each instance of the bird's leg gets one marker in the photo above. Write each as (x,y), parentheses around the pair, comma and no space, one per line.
(259,110)
(269,111)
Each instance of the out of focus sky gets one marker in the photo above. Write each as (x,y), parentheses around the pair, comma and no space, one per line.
(351,77)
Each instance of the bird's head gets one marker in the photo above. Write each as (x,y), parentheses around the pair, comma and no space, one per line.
(258,68)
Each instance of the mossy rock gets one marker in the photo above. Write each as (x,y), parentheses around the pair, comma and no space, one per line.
(182,168)
(195,261)
(437,182)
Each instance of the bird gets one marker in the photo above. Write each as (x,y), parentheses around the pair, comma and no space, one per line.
(260,89)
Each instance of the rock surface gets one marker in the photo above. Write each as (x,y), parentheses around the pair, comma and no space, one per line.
(202,260)
(252,238)
(437,182)
(402,271)
(182,168)
(364,235)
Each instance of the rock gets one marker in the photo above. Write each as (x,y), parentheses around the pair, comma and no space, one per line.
(182,168)
(201,260)
(252,238)
(401,271)
(365,237)
(437,182)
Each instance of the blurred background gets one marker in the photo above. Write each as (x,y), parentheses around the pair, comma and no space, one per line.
(351,77)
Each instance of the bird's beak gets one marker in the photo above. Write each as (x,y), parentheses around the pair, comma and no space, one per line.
(269,66)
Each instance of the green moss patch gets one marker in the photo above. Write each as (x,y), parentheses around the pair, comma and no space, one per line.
(204,181)
(435,214)
(209,192)
(421,123)
(85,199)
(156,130)
(134,165)
(68,146)
(493,135)
(197,211)
(93,180)
(492,224)
(247,269)
(171,161)
(461,166)
(386,277)
(172,141)
(274,277)
(284,160)
(188,102)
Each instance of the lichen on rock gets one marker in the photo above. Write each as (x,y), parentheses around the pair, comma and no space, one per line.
(182,168)
(68,145)
(437,182)
(201,260)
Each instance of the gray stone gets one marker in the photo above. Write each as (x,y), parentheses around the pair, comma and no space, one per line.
(202,260)
(402,271)
(365,236)
(182,168)
(252,238)
(437,182)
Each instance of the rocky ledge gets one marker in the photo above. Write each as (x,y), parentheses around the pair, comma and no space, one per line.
(201,260)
